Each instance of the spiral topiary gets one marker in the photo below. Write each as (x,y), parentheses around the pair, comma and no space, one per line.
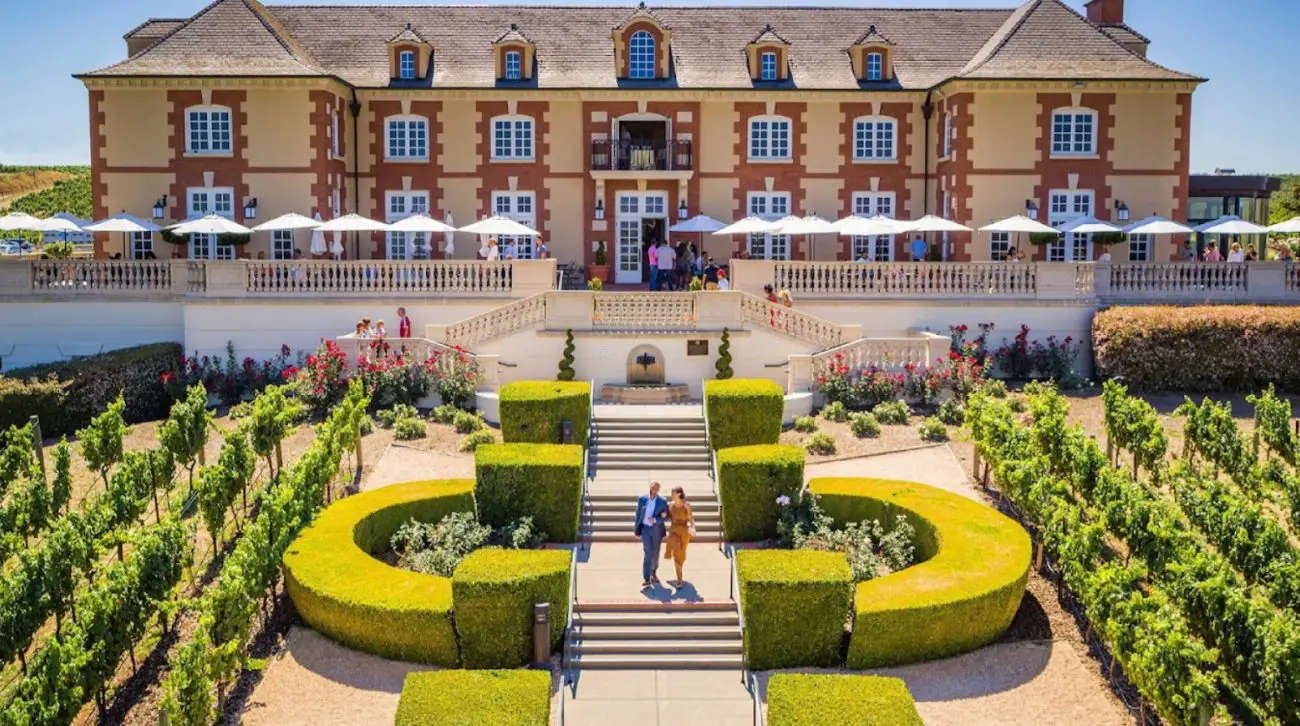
(566,363)
(723,364)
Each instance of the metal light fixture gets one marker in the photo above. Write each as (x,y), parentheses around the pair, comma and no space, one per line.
(600,209)
(1121,211)
(681,210)
(160,207)
(1031,209)
(250,209)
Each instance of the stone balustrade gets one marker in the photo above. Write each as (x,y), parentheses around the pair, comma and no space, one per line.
(285,279)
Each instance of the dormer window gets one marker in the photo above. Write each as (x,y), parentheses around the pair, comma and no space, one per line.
(872,57)
(767,67)
(641,55)
(514,65)
(406,65)
(514,55)
(875,66)
(410,56)
(641,47)
(767,56)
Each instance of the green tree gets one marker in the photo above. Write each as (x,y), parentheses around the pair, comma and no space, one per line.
(16,455)
(272,420)
(101,441)
(61,492)
(185,432)
(214,500)
(723,363)
(566,363)
(237,460)
(1285,203)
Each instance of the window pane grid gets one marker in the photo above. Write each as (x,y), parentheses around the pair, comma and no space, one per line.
(1073,133)
(408,139)
(406,65)
(641,55)
(873,140)
(769,139)
(513,66)
(875,66)
(209,132)
(768,69)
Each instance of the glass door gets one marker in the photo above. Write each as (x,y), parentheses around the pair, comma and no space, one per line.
(629,251)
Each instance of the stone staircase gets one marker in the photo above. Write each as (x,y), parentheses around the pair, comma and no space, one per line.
(650,444)
(653,635)
(611,517)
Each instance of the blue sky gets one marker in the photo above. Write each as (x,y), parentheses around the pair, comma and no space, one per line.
(1244,118)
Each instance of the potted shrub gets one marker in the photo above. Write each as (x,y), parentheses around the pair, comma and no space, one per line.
(599,268)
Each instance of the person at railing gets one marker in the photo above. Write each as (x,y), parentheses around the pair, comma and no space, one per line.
(919,250)
(684,264)
(1187,253)
(666,260)
(723,282)
(542,251)
(1236,254)
(1105,257)
(491,253)
(1212,253)
(403,324)
(710,274)
(1282,253)
(512,249)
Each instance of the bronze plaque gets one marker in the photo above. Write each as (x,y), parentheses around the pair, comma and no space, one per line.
(697,347)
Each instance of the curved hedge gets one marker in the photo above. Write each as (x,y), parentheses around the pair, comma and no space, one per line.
(542,481)
(494,591)
(743,411)
(750,478)
(475,698)
(346,594)
(531,411)
(964,594)
(795,699)
(796,603)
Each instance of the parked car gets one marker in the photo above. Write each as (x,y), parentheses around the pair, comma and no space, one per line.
(15,247)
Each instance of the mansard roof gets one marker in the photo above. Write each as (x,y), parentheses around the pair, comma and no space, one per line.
(1042,39)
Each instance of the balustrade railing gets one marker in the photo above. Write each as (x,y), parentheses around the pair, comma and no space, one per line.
(495,323)
(380,276)
(889,354)
(912,279)
(761,313)
(1178,280)
(657,155)
(75,276)
(196,276)
(643,311)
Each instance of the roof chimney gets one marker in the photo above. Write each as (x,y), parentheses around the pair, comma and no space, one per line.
(1105,12)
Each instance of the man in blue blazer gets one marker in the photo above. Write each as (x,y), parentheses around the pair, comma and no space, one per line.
(651,513)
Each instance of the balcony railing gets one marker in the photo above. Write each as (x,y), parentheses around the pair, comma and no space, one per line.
(662,155)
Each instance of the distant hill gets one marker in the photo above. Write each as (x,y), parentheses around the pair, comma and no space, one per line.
(42,191)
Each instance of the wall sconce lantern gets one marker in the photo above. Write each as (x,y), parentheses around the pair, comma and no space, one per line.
(250,209)
(681,210)
(1031,209)
(1121,211)
(600,209)
(160,207)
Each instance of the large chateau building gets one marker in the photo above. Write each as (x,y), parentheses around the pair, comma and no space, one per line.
(608,124)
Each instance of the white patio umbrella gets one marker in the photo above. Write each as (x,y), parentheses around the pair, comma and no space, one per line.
(1087,225)
(210,224)
(1019,224)
(809,226)
(420,223)
(933,223)
(353,223)
(290,221)
(1157,225)
(336,248)
(1231,224)
(699,224)
(500,226)
(317,246)
(57,224)
(449,238)
(748,225)
(124,223)
(19,221)
(1291,226)
(858,226)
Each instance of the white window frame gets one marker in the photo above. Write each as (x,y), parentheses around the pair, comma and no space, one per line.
(520,207)
(141,243)
(947,135)
(868,132)
(406,63)
(209,130)
(767,71)
(210,200)
(771,138)
(770,206)
(1068,138)
(334,132)
(405,147)
(282,244)
(399,205)
(876,70)
(514,65)
(999,246)
(641,56)
(1139,247)
(1064,205)
(512,138)
(869,204)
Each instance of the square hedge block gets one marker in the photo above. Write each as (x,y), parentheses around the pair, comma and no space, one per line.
(542,481)
(814,700)
(796,604)
(475,698)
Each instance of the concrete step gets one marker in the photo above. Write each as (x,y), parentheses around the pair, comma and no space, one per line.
(671,434)
(696,632)
(629,538)
(701,504)
(629,514)
(653,606)
(582,646)
(647,421)
(625,527)
(652,455)
(650,426)
(649,661)
(704,499)
(657,618)
(651,447)
(651,465)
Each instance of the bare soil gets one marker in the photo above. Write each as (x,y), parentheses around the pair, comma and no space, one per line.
(891,438)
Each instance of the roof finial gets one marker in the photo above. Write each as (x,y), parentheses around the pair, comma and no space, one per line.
(514,26)
(767,27)
(642,5)
(408,26)
(871,30)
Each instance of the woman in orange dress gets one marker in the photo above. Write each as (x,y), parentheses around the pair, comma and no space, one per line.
(681,528)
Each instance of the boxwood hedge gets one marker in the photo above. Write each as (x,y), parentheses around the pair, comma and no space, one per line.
(475,698)
(542,481)
(531,411)
(750,478)
(494,591)
(814,700)
(796,604)
(743,411)
(974,563)
(346,594)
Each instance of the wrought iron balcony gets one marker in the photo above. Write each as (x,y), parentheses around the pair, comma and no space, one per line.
(659,155)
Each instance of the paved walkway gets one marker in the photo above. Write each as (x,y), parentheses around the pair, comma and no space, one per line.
(934,465)
(659,698)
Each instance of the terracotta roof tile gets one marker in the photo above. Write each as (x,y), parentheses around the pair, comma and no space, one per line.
(155,27)
(513,34)
(408,35)
(769,36)
(873,36)
(1123,34)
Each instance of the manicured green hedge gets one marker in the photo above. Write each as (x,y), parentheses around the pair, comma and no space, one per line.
(346,594)
(796,604)
(1199,348)
(475,698)
(87,385)
(816,700)
(750,478)
(743,411)
(494,591)
(974,563)
(542,481)
(531,411)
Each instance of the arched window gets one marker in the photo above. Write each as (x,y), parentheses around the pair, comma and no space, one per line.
(512,138)
(207,130)
(1074,132)
(875,66)
(769,138)
(407,137)
(641,55)
(874,138)
(767,66)
(514,65)
(406,65)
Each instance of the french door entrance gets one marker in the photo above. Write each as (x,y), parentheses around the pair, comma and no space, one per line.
(632,211)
